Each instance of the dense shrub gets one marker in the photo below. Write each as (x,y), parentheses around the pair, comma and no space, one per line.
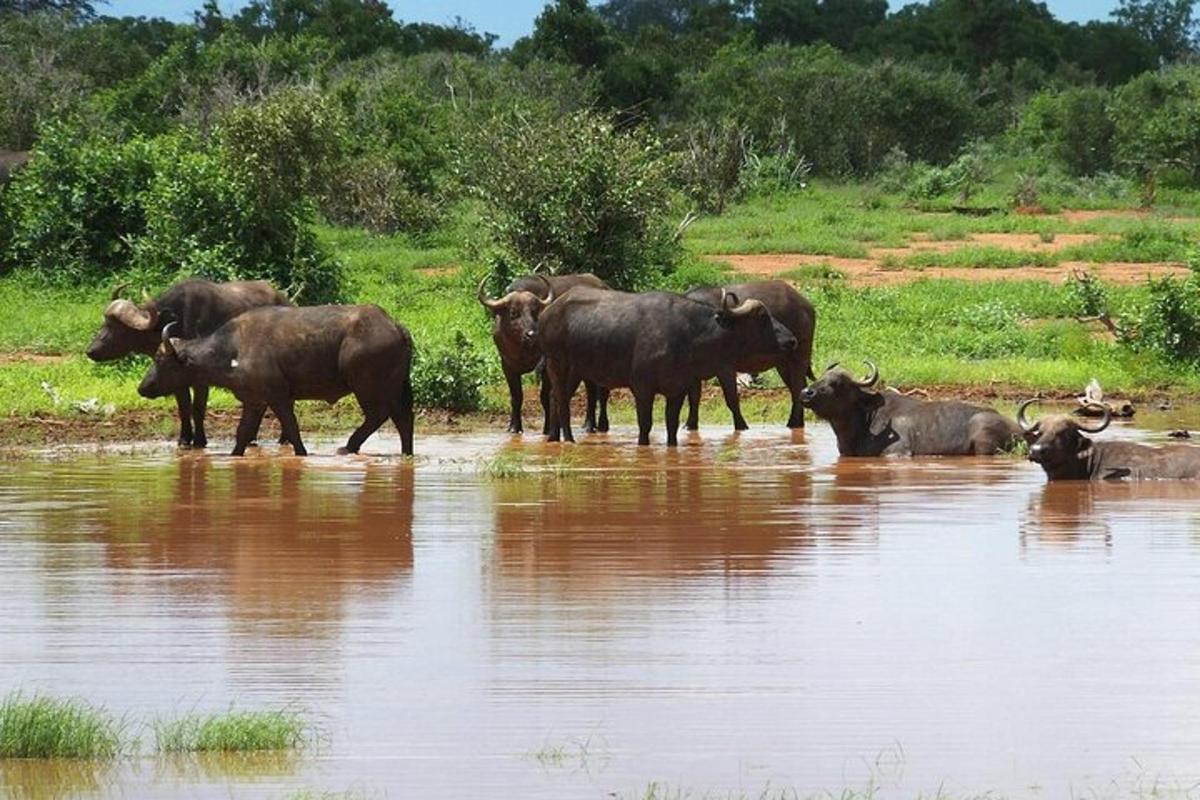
(371,192)
(572,194)
(843,117)
(1156,119)
(450,374)
(1168,323)
(1072,127)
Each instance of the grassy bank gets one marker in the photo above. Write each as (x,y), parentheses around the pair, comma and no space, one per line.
(979,337)
(36,726)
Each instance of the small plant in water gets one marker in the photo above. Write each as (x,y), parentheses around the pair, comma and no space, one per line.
(505,464)
(36,726)
(233,732)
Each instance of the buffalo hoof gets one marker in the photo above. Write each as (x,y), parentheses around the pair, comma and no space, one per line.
(300,451)
(602,427)
(741,426)
(515,429)
(341,451)
(200,442)
(589,428)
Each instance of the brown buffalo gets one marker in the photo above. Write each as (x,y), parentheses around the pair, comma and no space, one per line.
(198,308)
(272,357)
(871,423)
(654,343)
(1059,445)
(796,314)
(514,330)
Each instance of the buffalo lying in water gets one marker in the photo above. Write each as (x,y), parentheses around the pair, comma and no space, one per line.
(796,314)
(654,343)
(1059,445)
(197,308)
(870,423)
(271,357)
(514,331)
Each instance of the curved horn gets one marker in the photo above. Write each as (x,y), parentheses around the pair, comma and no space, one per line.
(166,338)
(1103,423)
(491,305)
(549,298)
(746,307)
(118,290)
(129,315)
(1024,422)
(871,379)
(727,297)
(832,366)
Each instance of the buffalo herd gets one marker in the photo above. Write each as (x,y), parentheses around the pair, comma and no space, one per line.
(250,338)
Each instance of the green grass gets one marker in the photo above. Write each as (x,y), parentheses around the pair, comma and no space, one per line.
(233,732)
(972,257)
(38,726)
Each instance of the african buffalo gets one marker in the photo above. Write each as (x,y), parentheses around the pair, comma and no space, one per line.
(1058,444)
(654,343)
(869,423)
(796,314)
(198,307)
(271,357)
(515,333)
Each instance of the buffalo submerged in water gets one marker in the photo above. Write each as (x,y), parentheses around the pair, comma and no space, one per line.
(1058,444)
(654,343)
(871,423)
(271,357)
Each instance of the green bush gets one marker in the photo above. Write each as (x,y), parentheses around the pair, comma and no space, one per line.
(573,194)
(1168,323)
(1156,119)
(450,374)
(1073,127)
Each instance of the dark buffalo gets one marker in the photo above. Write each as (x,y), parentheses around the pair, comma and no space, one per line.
(653,343)
(796,314)
(198,308)
(1058,444)
(870,423)
(11,161)
(272,357)
(514,331)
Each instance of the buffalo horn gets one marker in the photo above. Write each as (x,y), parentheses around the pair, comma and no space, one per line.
(746,308)
(118,290)
(549,291)
(166,338)
(1103,423)
(871,379)
(491,305)
(1022,420)
(129,315)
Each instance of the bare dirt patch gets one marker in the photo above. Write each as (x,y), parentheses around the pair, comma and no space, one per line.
(18,357)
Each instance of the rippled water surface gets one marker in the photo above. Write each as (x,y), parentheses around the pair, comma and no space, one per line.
(744,612)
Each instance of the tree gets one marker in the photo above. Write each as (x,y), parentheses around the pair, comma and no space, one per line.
(1113,53)
(1169,25)
(568,31)
(82,9)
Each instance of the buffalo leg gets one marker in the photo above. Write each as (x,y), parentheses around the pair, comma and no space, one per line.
(183,401)
(602,393)
(247,430)
(516,396)
(589,416)
(286,412)
(199,407)
(729,388)
(693,398)
(644,401)
(793,375)
(402,416)
(546,396)
(674,406)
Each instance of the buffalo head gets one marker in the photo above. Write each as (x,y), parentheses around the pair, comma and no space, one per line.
(170,372)
(128,328)
(766,334)
(837,390)
(516,315)
(1058,443)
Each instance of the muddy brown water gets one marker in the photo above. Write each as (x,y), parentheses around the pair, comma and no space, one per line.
(746,611)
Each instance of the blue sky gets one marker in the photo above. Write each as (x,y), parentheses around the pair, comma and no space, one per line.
(509,19)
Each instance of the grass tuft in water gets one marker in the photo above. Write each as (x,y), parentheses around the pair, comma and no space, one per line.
(36,726)
(505,464)
(233,732)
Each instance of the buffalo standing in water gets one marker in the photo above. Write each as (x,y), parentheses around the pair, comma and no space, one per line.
(197,308)
(1058,444)
(271,357)
(654,343)
(870,423)
(514,331)
(796,314)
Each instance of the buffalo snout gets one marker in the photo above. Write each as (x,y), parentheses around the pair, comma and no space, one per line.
(530,335)
(807,396)
(1037,453)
